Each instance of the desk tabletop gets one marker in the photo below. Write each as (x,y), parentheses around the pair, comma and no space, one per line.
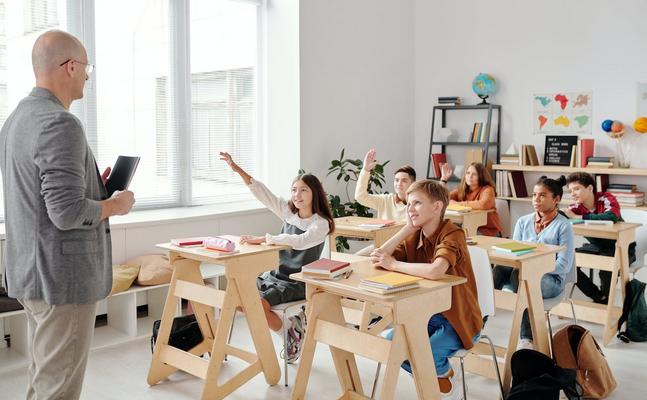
(353,224)
(486,242)
(363,269)
(244,250)
(471,212)
(591,230)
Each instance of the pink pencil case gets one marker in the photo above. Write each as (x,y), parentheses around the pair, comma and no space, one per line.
(218,243)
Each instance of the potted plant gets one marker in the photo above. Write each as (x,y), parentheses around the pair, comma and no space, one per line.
(348,170)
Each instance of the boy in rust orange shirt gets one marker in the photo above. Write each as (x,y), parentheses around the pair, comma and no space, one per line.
(430,246)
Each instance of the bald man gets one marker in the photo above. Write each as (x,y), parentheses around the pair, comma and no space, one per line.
(57,254)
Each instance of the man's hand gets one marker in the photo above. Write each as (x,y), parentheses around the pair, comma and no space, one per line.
(380,258)
(124,201)
(246,239)
(105,175)
(370,161)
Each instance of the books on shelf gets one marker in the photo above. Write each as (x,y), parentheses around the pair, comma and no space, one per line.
(390,283)
(586,147)
(378,223)
(598,222)
(214,252)
(598,164)
(509,159)
(529,155)
(457,209)
(621,187)
(601,159)
(438,159)
(601,182)
(481,131)
(325,268)
(513,247)
(188,242)
(449,101)
(517,184)
(633,199)
(502,183)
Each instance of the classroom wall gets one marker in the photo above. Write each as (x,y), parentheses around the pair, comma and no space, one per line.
(357,85)
(532,47)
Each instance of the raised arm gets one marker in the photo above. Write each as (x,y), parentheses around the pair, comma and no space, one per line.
(234,167)
(361,190)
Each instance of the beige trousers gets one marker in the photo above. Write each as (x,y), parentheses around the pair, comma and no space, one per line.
(59,343)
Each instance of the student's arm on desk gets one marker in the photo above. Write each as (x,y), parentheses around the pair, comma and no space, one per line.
(382,257)
(485,201)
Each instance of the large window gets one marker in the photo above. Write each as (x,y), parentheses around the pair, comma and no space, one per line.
(176,83)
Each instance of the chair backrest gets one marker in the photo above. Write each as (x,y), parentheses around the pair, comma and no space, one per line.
(503,210)
(638,216)
(483,275)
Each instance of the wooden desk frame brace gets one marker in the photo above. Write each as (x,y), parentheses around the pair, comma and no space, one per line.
(242,292)
(326,324)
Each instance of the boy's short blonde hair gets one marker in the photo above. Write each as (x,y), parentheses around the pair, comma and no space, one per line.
(434,190)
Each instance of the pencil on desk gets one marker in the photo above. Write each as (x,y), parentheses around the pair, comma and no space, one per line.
(348,273)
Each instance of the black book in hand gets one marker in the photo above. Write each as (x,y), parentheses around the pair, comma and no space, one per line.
(122,173)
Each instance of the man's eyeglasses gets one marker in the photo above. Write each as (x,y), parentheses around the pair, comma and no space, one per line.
(88,67)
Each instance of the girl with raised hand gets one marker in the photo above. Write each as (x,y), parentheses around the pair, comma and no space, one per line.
(307,220)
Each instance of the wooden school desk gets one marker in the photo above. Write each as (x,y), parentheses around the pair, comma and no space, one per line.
(471,220)
(241,270)
(350,226)
(532,267)
(624,233)
(411,312)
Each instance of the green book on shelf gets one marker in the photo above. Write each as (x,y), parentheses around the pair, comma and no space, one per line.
(513,247)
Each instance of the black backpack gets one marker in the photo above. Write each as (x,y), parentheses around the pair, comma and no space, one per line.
(535,376)
(185,333)
(634,312)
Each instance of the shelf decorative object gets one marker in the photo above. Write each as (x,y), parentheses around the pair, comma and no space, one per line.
(484,85)
(616,130)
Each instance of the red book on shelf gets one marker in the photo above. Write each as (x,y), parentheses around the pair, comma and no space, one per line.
(438,158)
(601,182)
(517,184)
(586,151)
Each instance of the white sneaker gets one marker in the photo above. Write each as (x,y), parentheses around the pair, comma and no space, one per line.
(525,344)
(456,392)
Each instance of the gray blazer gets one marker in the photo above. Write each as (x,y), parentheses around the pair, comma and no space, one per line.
(57,249)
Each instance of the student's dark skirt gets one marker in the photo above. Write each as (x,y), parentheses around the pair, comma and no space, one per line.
(273,287)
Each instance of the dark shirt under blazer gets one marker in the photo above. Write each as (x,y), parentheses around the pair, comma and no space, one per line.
(57,249)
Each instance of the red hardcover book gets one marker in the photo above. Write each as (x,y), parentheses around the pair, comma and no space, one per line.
(187,242)
(586,151)
(438,158)
(516,178)
(601,182)
(324,267)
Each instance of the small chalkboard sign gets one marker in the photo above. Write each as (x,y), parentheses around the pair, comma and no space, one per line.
(559,150)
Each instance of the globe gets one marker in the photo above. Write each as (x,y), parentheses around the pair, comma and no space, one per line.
(606,125)
(484,85)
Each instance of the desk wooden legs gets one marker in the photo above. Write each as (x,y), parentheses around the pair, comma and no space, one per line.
(241,291)
(326,324)
(472,223)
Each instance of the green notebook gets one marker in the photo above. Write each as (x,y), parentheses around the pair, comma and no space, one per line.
(513,247)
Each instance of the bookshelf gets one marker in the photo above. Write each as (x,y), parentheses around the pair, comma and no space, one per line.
(550,169)
(485,146)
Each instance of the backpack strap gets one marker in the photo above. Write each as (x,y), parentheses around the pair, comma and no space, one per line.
(626,307)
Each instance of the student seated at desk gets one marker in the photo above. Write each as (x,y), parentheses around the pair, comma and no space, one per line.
(476,190)
(389,206)
(596,206)
(546,226)
(430,246)
(307,220)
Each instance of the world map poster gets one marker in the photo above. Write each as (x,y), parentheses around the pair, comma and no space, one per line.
(563,113)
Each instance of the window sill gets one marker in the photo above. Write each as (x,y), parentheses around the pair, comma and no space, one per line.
(165,216)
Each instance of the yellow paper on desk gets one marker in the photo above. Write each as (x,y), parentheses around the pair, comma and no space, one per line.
(513,247)
(390,280)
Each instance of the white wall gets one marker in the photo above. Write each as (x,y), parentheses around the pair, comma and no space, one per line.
(532,47)
(356,74)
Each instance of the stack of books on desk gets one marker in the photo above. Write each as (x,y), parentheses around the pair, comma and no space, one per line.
(449,101)
(514,248)
(324,268)
(627,195)
(456,209)
(378,223)
(390,283)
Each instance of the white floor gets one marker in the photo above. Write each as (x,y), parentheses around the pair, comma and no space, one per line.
(120,372)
